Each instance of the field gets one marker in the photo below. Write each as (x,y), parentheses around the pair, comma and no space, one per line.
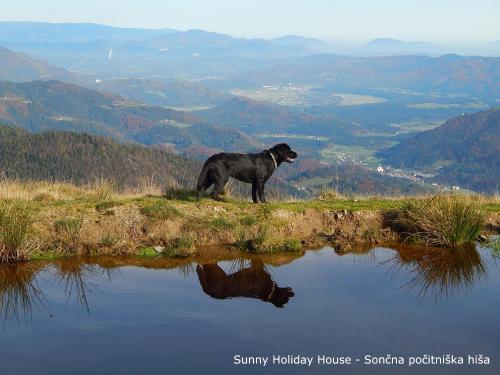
(305,95)
(357,154)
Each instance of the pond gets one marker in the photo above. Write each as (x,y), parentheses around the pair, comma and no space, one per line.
(114,315)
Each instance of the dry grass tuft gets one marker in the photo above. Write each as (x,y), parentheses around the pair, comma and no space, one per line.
(443,220)
(16,220)
(328,195)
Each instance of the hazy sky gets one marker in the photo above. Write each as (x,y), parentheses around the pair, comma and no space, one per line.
(430,20)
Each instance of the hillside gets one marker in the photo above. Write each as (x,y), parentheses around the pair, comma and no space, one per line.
(82,158)
(21,68)
(257,117)
(464,151)
(171,93)
(43,105)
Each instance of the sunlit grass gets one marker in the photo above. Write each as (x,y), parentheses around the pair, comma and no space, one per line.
(443,220)
(16,220)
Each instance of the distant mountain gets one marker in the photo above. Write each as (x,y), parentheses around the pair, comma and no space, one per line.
(122,52)
(21,68)
(391,47)
(31,33)
(44,105)
(82,158)
(448,74)
(161,92)
(312,44)
(464,151)
(209,44)
(256,117)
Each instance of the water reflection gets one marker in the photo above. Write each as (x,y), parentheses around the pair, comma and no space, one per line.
(19,291)
(438,272)
(428,271)
(80,279)
(249,280)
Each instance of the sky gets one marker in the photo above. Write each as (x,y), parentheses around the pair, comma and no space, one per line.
(453,21)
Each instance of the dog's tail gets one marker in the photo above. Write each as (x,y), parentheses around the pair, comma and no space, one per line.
(202,182)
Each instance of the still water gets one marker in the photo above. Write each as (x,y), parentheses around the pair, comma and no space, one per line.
(113,315)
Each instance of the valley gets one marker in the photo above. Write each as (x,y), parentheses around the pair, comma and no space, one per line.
(340,112)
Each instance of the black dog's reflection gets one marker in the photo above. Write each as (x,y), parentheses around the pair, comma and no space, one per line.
(251,282)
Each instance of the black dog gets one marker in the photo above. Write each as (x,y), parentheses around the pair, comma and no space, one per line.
(249,282)
(254,169)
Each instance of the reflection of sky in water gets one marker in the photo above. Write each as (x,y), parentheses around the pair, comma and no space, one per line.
(161,321)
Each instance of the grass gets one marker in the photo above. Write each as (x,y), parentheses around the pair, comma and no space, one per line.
(147,252)
(283,245)
(223,223)
(259,239)
(106,205)
(160,210)
(38,218)
(67,234)
(180,247)
(248,220)
(108,240)
(443,220)
(328,195)
(46,255)
(16,221)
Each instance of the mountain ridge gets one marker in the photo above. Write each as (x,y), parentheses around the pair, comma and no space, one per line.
(464,151)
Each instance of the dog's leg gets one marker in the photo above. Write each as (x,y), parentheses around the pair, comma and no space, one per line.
(254,193)
(262,193)
(219,189)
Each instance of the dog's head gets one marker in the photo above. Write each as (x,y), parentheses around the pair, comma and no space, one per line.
(284,152)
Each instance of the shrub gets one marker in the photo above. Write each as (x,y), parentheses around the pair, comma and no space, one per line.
(443,220)
(160,211)
(16,221)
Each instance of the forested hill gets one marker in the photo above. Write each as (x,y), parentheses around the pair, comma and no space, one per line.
(54,105)
(82,158)
(464,151)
